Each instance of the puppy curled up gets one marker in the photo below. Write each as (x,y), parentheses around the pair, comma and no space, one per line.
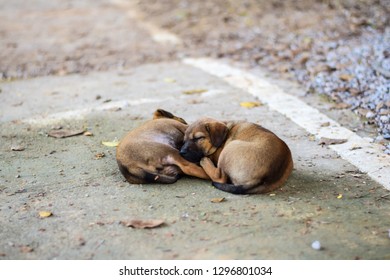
(239,157)
(150,152)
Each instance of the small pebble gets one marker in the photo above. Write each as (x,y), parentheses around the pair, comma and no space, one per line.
(316,245)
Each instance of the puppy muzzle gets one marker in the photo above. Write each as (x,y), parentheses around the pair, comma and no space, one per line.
(190,154)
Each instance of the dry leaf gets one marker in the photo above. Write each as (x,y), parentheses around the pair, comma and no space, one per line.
(17,148)
(100,155)
(111,144)
(355,147)
(170,80)
(340,106)
(81,241)
(250,104)
(330,141)
(354,91)
(26,249)
(346,77)
(63,133)
(45,214)
(325,124)
(217,199)
(142,223)
(194,91)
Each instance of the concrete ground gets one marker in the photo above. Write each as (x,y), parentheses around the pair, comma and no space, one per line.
(77,182)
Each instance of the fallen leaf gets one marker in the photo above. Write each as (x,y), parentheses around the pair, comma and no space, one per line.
(18,104)
(63,133)
(142,223)
(194,91)
(330,141)
(355,147)
(45,214)
(354,91)
(346,77)
(325,124)
(17,148)
(250,104)
(217,199)
(81,241)
(100,155)
(57,127)
(340,196)
(111,144)
(26,249)
(169,80)
(115,109)
(340,106)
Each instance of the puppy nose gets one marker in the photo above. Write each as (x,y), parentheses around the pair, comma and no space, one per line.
(183,150)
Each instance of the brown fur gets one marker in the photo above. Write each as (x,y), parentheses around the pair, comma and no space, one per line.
(150,153)
(239,157)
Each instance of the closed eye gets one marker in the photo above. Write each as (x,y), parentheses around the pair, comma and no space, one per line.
(196,139)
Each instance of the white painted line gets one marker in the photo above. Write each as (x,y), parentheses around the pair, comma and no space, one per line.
(81,113)
(158,34)
(366,156)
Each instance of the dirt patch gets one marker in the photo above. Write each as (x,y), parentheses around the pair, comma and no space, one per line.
(69,37)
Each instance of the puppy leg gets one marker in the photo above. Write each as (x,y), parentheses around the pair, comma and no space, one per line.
(187,167)
(215,173)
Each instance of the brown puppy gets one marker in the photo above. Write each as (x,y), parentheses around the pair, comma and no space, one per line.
(150,153)
(249,158)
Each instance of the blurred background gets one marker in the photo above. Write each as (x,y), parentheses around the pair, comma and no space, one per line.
(339,49)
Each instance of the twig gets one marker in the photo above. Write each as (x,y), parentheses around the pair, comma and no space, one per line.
(383,196)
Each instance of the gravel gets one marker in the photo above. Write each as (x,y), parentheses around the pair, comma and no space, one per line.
(363,81)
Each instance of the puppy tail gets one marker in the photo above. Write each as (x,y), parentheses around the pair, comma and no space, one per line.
(234,189)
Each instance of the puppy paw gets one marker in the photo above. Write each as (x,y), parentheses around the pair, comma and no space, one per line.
(206,163)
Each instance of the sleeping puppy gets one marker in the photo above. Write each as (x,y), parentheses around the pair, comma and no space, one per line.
(150,153)
(239,157)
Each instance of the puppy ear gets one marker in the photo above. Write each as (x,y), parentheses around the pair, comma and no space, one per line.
(160,114)
(218,132)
